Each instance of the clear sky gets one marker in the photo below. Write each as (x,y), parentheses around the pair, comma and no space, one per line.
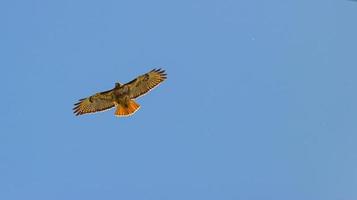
(260,100)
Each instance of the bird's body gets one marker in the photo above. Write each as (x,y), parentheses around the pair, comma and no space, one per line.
(121,96)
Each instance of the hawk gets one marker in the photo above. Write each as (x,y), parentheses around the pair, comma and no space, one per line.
(121,96)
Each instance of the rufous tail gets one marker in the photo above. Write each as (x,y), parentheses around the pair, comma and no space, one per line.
(127,109)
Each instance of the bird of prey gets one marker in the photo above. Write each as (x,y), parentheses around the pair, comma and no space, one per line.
(121,96)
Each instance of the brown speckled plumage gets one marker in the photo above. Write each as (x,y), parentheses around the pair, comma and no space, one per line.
(121,96)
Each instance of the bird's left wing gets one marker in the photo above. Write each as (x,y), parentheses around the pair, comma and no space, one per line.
(95,103)
(145,82)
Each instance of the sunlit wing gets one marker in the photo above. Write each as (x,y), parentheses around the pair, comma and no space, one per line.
(95,103)
(145,82)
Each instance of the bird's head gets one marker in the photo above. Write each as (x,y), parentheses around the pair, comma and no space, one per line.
(117,85)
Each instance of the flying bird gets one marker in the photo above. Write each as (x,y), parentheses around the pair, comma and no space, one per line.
(121,96)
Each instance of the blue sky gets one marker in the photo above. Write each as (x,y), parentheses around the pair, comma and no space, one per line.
(260,100)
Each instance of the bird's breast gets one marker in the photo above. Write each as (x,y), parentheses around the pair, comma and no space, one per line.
(121,94)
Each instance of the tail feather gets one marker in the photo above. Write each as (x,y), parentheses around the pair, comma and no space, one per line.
(127,109)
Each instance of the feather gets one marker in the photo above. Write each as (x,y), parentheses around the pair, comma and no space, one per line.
(145,82)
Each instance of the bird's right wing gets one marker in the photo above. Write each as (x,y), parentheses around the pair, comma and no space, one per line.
(95,103)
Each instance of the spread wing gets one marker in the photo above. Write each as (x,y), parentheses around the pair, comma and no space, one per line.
(145,82)
(95,103)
